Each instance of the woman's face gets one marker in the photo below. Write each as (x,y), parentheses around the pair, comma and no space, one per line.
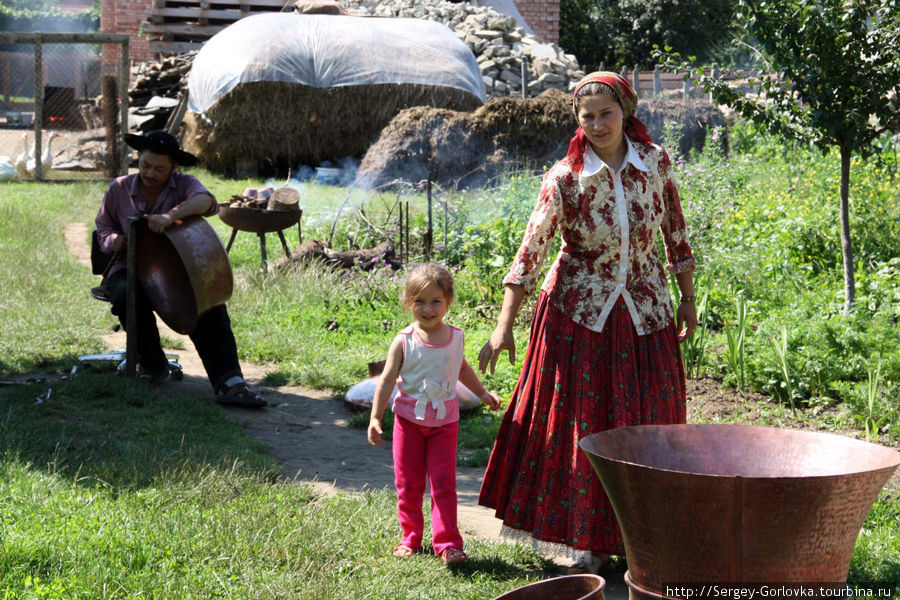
(601,118)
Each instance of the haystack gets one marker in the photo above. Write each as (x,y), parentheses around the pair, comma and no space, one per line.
(460,149)
(457,148)
(285,89)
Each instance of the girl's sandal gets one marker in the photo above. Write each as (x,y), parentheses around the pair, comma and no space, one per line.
(452,556)
(401,550)
(592,566)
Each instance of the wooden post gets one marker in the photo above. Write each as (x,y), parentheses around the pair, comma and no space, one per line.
(686,89)
(110,123)
(400,228)
(131,300)
(657,82)
(428,238)
(715,73)
(38,104)
(6,76)
(124,78)
(636,80)
(524,65)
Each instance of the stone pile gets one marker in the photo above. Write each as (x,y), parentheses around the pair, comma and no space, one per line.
(510,58)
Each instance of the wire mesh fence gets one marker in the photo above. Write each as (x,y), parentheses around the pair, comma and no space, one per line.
(61,105)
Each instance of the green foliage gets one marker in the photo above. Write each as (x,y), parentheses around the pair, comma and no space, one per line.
(622,32)
(45,15)
(736,335)
(584,33)
(760,220)
(833,80)
(838,66)
(876,556)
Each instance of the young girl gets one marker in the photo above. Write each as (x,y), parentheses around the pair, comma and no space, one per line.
(428,358)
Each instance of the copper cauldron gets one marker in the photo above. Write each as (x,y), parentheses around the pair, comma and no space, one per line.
(257,220)
(732,503)
(569,587)
(184,271)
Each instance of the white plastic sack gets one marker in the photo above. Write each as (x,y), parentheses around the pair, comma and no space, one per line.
(360,396)
(330,51)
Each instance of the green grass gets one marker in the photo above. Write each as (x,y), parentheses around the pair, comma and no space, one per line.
(107,490)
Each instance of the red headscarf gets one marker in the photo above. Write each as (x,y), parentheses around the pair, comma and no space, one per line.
(627,97)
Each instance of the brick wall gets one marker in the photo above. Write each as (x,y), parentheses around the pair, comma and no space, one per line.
(542,16)
(125,16)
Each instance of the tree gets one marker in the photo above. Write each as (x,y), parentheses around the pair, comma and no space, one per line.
(837,85)
(583,33)
(623,32)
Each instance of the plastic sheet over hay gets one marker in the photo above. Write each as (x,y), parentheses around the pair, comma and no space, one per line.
(291,88)
(460,149)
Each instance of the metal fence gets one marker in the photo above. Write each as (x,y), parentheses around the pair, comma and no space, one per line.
(63,100)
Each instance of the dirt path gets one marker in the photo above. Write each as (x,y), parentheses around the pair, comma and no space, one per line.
(307,430)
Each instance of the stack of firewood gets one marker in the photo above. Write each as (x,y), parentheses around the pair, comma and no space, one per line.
(283,199)
(156,91)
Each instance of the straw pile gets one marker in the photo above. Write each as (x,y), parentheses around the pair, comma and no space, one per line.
(694,117)
(270,125)
(468,149)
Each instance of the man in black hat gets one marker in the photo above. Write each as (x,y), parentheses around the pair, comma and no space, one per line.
(162,194)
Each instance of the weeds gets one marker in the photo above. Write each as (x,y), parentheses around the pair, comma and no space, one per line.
(735,336)
(781,349)
(695,348)
(872,423)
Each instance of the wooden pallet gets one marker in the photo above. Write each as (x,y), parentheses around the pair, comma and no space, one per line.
(178,26)
(250,5)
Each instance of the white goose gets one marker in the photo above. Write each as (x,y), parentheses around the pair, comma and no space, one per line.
(22,159)
(46,159)
(7,170)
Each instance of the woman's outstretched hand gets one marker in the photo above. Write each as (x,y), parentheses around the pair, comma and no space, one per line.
(502,339)
(686,320)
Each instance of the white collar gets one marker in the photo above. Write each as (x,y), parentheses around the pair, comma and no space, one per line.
(593,163)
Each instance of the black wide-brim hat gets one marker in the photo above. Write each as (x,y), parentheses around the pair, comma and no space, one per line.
(161,142)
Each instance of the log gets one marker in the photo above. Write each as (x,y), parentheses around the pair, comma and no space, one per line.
(365,259)
(286,199)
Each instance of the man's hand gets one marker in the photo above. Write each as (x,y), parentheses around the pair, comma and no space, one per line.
(158,223)
(118,243)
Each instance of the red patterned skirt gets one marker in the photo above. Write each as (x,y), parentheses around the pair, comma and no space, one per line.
(575,382)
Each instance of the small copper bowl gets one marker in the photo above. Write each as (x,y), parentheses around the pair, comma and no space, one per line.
(568,587)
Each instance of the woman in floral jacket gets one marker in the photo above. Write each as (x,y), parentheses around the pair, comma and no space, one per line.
(604,348)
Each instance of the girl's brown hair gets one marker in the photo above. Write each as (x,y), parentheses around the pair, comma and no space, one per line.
(423,275)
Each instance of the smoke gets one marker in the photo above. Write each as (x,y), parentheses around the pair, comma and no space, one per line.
(320,207)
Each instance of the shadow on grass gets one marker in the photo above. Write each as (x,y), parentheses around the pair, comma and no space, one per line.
(501,569)
(100,429)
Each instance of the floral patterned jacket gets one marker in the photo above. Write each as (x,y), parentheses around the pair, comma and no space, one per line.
(608,223)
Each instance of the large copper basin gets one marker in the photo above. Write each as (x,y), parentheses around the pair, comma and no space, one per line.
(569,587)
(184,271)
(732,503)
